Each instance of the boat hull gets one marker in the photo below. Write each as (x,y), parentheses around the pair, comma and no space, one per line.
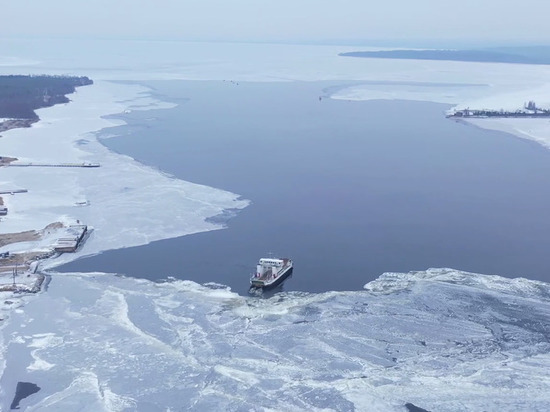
(274,283)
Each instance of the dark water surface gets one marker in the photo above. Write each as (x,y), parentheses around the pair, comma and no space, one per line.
(22,391)
(349,190)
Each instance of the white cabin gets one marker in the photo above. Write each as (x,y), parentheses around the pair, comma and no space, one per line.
(271,262)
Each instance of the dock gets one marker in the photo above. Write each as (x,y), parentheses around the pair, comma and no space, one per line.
(70,244)
(32,164)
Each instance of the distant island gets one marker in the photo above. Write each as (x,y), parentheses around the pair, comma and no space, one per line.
(522,55)
(21,95)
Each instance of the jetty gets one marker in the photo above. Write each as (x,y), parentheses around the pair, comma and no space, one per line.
(19,271)
(70,243)
(32,164)
(12,192)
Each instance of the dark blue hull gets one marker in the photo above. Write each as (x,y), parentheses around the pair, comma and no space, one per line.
(276,282)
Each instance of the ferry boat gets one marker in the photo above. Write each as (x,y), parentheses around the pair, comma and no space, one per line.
(271,272)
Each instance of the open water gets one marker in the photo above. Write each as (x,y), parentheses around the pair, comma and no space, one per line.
(348,190)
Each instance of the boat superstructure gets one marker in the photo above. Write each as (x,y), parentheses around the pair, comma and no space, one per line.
(271,272)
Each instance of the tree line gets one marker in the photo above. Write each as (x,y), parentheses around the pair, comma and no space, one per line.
(21,95)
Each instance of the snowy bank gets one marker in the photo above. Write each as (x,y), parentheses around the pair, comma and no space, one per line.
(440,340)
(126,203)
(464,85)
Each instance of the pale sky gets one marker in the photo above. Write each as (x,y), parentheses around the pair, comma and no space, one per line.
(525,21)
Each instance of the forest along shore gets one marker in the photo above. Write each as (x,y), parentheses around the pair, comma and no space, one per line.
(20,96)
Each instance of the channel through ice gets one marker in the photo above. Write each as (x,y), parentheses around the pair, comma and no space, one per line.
(440,339)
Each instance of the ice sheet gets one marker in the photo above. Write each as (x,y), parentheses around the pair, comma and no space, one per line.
(125,202)
(439,339)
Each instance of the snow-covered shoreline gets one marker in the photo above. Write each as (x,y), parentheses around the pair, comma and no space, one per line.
(479,92)
(440,339)
(126,203)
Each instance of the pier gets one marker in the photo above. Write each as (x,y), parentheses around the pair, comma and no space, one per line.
(71,243)
(12,164)
(12,192)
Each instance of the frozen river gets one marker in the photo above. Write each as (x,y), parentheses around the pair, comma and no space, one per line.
(348,189)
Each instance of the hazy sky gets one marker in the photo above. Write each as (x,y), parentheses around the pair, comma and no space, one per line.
(283,20)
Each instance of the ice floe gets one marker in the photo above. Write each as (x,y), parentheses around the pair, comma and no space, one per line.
(439,339)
